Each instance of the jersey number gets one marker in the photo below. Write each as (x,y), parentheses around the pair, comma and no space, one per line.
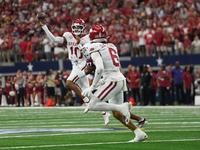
(74,50)
(114,57)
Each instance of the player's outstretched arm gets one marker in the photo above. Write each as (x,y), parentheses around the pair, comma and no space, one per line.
(49,34)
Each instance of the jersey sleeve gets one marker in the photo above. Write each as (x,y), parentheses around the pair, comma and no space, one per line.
(94,47)
(66,35)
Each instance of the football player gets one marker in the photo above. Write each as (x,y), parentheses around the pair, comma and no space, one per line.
(106,61)
(76,58)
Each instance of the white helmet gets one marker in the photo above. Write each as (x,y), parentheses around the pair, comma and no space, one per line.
(85,51)
(80,24)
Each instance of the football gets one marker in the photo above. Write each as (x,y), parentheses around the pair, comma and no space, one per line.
(41,16)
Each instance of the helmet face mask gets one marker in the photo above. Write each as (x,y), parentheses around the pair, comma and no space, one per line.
(78,27)
(85,52)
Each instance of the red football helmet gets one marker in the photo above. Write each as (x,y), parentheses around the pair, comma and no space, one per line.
(78,27)
(98,33)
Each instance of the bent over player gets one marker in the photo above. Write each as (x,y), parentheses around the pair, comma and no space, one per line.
(76,58)
(106,60)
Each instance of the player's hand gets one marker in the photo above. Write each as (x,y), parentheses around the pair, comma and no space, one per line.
(43,22)
(87,92)
(78,39)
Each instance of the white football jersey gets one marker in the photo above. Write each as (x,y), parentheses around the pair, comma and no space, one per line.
(109,55)
(74,53)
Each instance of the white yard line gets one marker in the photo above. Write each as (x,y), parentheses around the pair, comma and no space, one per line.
(77,125)
(179,126)
(48,126)
(81,119)
(102,143)
(49,120)
(19,116)
(93,132)
(58,134)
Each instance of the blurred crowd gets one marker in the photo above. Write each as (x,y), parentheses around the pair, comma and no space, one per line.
(25,89)
(168,85)
(138,28)
(171,85)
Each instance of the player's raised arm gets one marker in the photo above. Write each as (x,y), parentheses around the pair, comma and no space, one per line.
(42,21)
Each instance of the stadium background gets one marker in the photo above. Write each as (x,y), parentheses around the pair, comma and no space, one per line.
(120,18)
(169,127)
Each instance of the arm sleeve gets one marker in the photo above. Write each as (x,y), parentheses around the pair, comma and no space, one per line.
(51,36)
(99,67)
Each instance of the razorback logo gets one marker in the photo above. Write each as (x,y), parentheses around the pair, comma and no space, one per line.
(91,49)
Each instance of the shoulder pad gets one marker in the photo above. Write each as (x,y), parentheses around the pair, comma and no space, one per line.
(67,34)
(94,47)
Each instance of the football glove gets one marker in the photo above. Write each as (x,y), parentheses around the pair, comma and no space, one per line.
(87,92)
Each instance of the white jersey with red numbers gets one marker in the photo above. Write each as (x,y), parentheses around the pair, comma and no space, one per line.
(110,58)
(77,59)
(74,53)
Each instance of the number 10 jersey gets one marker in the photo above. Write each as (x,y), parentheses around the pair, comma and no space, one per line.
(74,53)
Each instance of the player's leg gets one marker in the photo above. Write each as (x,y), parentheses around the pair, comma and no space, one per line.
(140,135)
(83,84)
(72,79)
(141,121)
(104,93)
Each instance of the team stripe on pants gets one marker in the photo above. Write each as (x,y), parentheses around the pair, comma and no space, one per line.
(107,90)
(75,79)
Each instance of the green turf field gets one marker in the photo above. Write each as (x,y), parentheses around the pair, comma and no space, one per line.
(169,128)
